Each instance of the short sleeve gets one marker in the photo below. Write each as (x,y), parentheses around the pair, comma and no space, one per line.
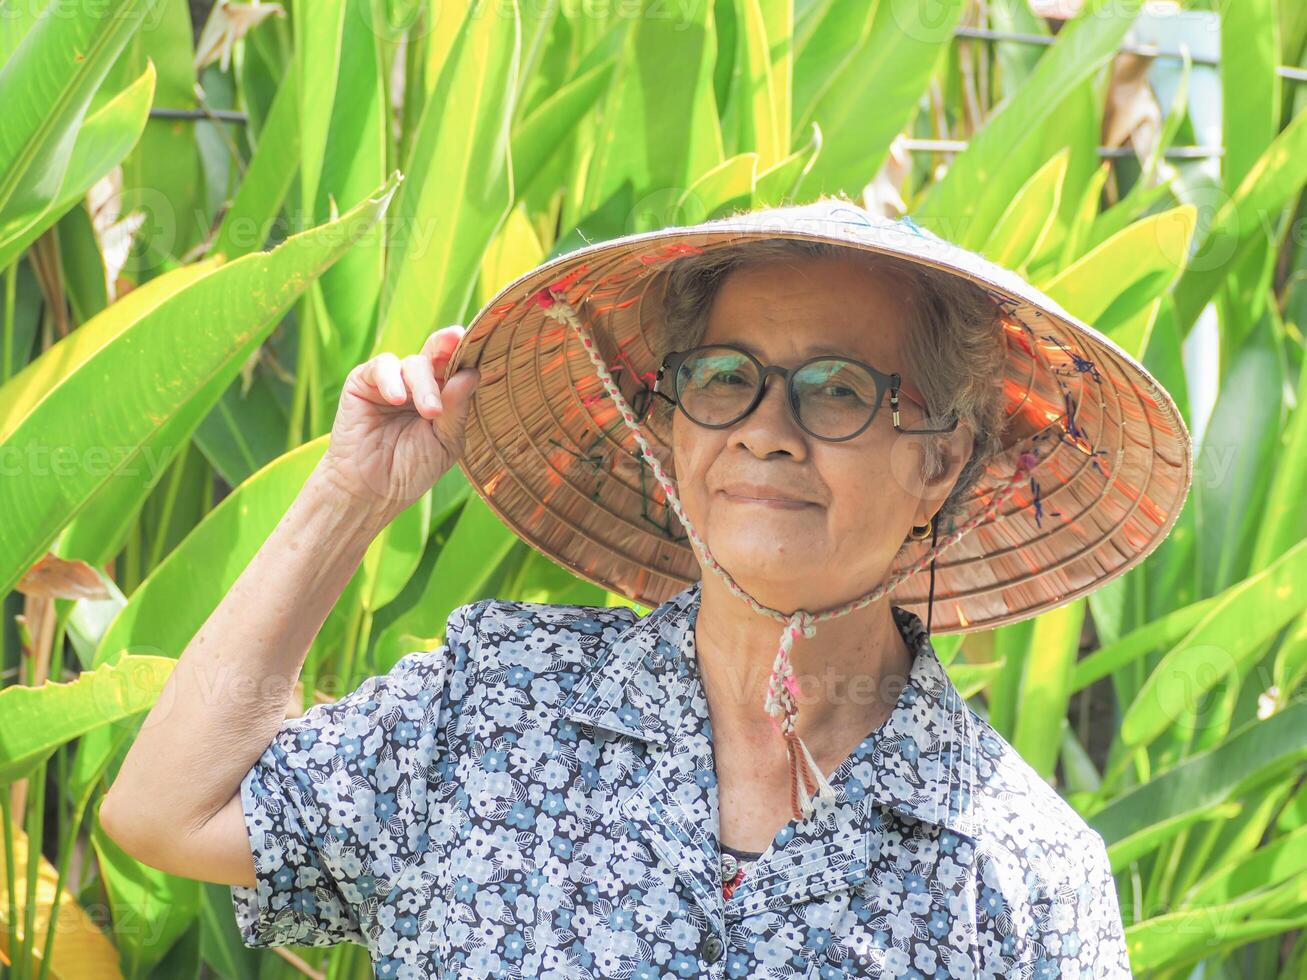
(340,800)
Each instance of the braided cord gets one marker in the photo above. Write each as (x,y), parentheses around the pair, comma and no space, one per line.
(807,781)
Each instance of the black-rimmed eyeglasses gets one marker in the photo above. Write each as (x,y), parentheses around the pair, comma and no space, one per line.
(831,398)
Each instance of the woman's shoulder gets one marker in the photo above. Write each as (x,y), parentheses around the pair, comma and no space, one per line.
(1020,818)
(491,636)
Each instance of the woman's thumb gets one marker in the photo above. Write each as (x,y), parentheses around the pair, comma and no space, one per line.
(456,401)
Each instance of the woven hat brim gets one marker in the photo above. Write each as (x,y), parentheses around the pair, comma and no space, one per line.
(547,451)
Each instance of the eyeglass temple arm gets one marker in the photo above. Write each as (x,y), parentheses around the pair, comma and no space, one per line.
(895,387)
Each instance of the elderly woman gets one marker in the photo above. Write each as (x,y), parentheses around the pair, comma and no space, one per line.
(760,425)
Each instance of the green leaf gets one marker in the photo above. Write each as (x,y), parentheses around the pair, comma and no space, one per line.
(167,609)
(1141,818)
(197,340)
(1084,45)
(780,184)
(660,129)
(46,88)
(460,186)
(1128,271)
(1231,628)
(158,906)
(104,140)
(723,190)
(551,125)
(1046,685)
(465,566)
(34,721)
(876,93)
(1023,227)
(757,116)
(1275,179)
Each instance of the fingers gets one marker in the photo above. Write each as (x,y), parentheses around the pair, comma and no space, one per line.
(389,380)
(383,379)
(417,372)
(456,396)
(440,347)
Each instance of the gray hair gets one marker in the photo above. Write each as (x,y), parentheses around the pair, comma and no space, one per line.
(955,352)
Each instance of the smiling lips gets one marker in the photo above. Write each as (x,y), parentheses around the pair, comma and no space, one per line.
(763,496)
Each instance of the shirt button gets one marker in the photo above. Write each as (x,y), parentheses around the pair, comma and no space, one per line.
(712,948)
(730,868)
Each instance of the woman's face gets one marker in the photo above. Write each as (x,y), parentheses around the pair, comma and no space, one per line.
(797,520)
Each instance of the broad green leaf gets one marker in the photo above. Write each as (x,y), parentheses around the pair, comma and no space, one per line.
(1129,270)
(394,555)
(1063,245)
(46,87)
(779,185)
(1240,453)
(1283,519)
(828,35)
(460,186)
(107,135)
(168,608)
(195,339)
(160,907)
(1281,859)
(20,395)
(660,128)
(164,175)
(34,721)
(355,163)
(1084,45)
(757,117)
(466,564)
(971,679)
(551,125)
(723,190)
(248,221)
(515,251)
(1177,939)
(317,59)
(16,19)
(876,93)
(1250,51)
(1234,626)
(1046,685)
(1276,178)
(1262,749)
(1023,227)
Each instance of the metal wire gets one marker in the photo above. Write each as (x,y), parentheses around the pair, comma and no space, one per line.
(923,145)
(1148,50)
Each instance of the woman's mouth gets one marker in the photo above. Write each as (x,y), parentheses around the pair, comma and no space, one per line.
(763,496)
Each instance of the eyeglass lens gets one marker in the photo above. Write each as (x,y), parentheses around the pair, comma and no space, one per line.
(832,398)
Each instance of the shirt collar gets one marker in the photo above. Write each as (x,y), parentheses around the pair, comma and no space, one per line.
(920,761)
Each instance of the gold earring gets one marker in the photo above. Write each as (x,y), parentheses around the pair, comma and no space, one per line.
(921,531)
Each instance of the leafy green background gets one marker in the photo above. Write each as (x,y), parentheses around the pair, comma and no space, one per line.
(203,228)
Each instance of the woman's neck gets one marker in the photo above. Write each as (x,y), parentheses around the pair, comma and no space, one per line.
(850,672)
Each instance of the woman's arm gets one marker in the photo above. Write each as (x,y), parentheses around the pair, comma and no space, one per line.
(175,802)
(228,694)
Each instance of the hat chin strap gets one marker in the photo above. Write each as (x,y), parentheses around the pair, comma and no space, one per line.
(807,782)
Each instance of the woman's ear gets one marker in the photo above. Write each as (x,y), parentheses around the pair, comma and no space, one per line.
(953,450)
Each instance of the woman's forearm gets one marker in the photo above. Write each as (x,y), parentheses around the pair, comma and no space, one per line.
(228,694)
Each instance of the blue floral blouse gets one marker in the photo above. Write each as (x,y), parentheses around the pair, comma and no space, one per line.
(537,798)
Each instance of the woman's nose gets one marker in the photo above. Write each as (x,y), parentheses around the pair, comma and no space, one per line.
(771,428)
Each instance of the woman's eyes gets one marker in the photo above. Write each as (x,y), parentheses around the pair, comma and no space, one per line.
(729,377)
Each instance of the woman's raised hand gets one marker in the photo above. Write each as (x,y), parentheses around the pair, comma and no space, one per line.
(399,425)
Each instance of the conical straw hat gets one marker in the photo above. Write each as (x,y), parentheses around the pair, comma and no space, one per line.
(548,452)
